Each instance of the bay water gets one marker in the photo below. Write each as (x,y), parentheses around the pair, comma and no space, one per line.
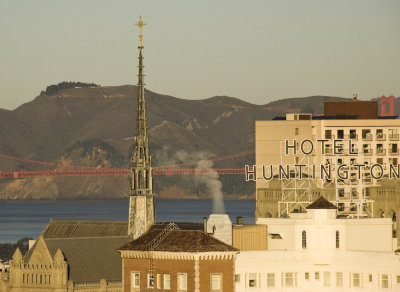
(20,219)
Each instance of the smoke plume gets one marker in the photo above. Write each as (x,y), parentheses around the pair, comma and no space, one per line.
(213,184)
(210,180)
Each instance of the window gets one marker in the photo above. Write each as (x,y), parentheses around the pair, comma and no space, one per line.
(307,276)
(393,134)
(393,161)
(150,280)
(290,279)
(366,148)
(158,281)
(216,281)
(167,281)
(270,280)
(369,277)
(398,279)
(296,131)
(339,279)
(353,149)
(385,281)
(366,134)
(379,160)
(379,149)
(182,281)
(304,239)
(353,192)
(393,148)
(237,278)
(135,279)
(316,275)
(379,134)
(328,148)
(340,134)
(340,192)
(337,239)
(353,134)
(328,134)
(252,280)
(356,280)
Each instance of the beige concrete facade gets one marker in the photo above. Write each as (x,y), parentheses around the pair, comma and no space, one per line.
(253,237)
(376,141)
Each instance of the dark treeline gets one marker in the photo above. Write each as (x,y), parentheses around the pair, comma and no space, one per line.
(51,89)
(7,249)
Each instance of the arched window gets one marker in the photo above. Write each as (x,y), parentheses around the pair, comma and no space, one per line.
(337,239)
(140,180)
(147,179)
(304,239)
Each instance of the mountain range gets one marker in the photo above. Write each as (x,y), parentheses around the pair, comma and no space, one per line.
(95,126)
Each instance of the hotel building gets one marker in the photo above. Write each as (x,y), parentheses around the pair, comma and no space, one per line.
(349,138)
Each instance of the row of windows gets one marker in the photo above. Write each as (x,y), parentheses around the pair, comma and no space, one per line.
(304,239)
(289,279)
(366,161)
(163,281)
(36,279)
(366,149)
(366,134)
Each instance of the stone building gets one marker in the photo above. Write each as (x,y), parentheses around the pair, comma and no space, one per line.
(70,255)
(179,260)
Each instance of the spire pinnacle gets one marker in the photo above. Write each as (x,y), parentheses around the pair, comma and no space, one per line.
(140,24)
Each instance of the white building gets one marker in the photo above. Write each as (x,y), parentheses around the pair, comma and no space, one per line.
(315,251)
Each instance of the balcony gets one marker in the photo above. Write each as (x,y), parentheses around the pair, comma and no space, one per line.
(367,152)
(367,137)
(394,137)
(380,151)
(380,137)
(353,137)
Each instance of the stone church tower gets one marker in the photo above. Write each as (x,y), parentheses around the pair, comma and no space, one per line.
(141,204)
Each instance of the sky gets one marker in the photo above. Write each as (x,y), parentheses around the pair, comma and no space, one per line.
(258,50)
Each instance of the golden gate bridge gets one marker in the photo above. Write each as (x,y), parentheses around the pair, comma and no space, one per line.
(73,170)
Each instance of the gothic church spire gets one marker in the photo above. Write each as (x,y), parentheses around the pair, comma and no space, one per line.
(141,205)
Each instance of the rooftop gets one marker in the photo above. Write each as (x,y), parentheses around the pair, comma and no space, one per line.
(180,241)
(321,203)
(89,259)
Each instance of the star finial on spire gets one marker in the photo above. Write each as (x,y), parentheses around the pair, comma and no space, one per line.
(140,24)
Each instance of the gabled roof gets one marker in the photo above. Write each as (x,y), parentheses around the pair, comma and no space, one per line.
(180,241)
(321,203)
(89,259)
(84,228)
(181,225)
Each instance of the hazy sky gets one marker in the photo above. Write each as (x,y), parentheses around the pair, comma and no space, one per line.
(258,51)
